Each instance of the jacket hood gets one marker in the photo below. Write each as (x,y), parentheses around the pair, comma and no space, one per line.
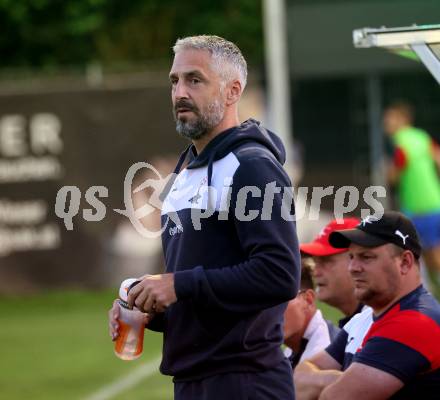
(249,131)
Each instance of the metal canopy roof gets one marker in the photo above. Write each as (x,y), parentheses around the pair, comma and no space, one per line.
(417,42)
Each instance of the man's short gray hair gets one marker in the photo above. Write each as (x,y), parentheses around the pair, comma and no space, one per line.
(227,57)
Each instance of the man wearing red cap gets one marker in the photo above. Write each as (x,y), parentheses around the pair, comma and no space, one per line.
(333,281)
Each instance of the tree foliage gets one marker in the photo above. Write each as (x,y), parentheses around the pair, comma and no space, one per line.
(55,33)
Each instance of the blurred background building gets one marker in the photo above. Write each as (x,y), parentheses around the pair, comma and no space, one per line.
(84,94)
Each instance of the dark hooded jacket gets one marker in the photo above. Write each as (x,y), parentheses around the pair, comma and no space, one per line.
(234,253)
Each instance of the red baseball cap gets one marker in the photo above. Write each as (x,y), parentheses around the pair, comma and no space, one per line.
(321,246)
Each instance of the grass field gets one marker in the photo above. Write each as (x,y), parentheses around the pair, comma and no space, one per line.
(56,346)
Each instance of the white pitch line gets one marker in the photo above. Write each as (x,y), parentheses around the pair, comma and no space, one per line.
(126,382)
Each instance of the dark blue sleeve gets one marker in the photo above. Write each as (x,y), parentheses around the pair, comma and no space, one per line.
(336,349)
(393,357)
(270,273)
(157,323)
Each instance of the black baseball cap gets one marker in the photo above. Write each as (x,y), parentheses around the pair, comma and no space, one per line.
(393,227)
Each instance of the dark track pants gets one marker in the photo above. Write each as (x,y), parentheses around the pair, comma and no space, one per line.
(274,384)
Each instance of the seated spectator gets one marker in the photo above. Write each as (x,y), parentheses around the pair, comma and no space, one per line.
(334,285)
(399,357)
(306,332)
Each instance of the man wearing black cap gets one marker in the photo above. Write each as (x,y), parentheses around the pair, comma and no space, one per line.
(399,356)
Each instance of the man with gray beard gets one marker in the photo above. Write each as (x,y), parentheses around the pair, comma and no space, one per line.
(206,119)
(228,278)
